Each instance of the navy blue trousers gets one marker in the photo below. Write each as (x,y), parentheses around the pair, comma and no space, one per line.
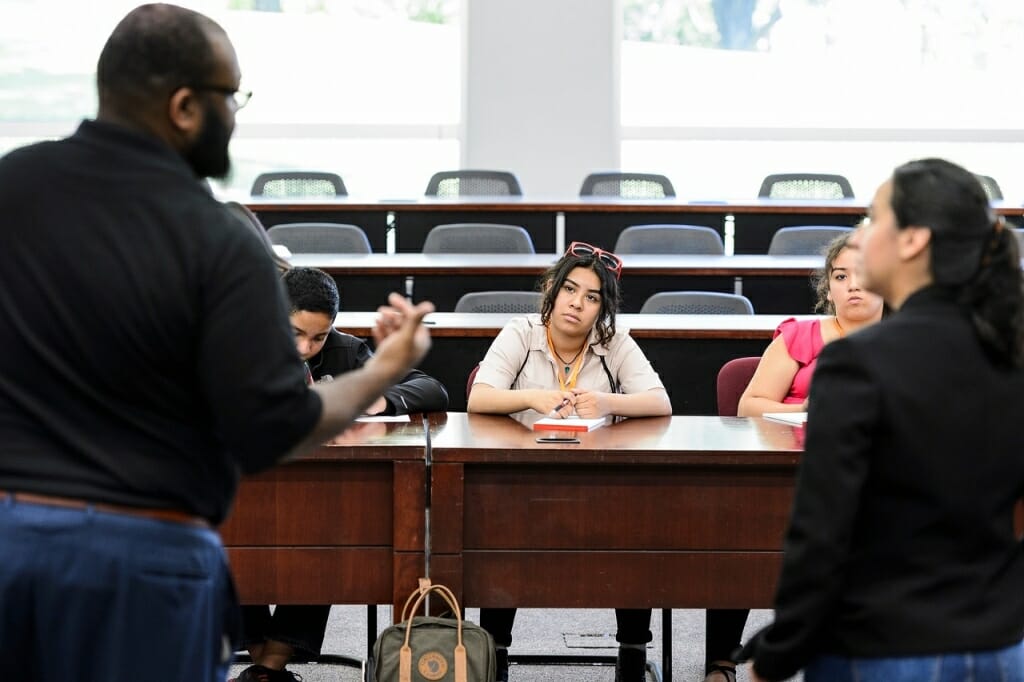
(94,597)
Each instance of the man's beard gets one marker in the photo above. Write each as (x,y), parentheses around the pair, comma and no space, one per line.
(208,157)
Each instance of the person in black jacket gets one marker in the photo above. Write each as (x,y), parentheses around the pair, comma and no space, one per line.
(295,631)
(901,559)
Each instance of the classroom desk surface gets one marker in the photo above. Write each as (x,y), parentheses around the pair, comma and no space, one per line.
(595,204)
(595,219)
(487,325)
(774,284)
(537,263)
(683,512)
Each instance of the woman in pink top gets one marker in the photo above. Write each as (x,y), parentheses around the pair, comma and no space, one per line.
(781,384)
(783,378)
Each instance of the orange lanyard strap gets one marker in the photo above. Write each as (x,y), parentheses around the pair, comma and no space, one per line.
(566,383)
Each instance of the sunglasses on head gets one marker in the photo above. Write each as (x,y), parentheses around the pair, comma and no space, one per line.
(607,258)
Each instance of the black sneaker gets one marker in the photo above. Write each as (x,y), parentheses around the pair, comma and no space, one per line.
(501,665)
(259,673)
(631,665)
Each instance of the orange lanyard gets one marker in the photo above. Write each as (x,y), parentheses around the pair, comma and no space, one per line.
(565,383)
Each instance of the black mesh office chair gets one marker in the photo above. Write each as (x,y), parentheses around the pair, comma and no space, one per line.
(320,238)
(805,186)
(697,303)
(478,238)
(990,186)
(804,240)
(473,183)
(517,302)
(672,239)
(627,186)
(297,184)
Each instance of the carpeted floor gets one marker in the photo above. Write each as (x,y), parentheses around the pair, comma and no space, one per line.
(539,631)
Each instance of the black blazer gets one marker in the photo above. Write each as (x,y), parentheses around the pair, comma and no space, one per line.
(901,541)
(417,392)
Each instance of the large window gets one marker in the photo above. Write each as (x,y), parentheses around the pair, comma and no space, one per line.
(718,93)
(366,88)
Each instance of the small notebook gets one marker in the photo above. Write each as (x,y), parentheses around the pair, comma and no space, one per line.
(569,424)
(383,418)
(795,418)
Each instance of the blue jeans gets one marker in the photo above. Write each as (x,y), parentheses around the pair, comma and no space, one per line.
(1000,665)
(96,597)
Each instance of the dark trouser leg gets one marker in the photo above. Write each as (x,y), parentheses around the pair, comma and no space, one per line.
(255,624)
(724,630)
(499,623)
(633,625)
(633,633)
(301,626)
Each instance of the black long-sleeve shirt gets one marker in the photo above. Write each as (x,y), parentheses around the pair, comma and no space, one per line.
(417,392)
(901,541)
(123,287)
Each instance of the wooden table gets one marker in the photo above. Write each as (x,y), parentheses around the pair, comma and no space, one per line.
(686,350)
(344,525)
(682,512)
(595,219)
(686,512)
(774,284)
(667,512)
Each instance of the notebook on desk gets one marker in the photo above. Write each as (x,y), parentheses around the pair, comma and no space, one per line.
(569,424)
(794,418)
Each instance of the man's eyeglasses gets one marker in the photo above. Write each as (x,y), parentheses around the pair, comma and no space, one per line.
(607,258)
(239,97)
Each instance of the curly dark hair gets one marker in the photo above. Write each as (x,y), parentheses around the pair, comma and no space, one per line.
(551,282)
(311,290)
(820,278)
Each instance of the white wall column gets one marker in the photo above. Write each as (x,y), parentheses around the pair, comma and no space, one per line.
(541,90)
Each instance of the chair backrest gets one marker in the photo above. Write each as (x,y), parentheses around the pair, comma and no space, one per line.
(473,183)
(733,378)
(805,186)
(517,302)
(298,184)
(990,186)
(470,379)
(478,238)
(320,238)
(804,240)
(697,303)
(675,239)
(627,186)
(249,218)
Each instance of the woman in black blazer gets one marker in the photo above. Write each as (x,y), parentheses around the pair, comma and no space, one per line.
(901,559)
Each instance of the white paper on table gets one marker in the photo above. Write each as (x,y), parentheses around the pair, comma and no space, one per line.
(794,418)
(384,418)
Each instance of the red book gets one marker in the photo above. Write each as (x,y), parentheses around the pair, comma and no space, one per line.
(569,424)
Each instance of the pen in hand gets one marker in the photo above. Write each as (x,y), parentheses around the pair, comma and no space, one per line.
(556,412)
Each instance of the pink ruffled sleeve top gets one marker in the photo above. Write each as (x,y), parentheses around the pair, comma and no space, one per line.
(803,342)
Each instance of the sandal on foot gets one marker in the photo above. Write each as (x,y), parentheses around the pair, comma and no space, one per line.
(728,671)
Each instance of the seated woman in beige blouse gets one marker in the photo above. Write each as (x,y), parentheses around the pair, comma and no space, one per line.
(570,359)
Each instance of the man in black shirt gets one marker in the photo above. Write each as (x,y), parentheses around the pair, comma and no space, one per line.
(297,630)
(128,407)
